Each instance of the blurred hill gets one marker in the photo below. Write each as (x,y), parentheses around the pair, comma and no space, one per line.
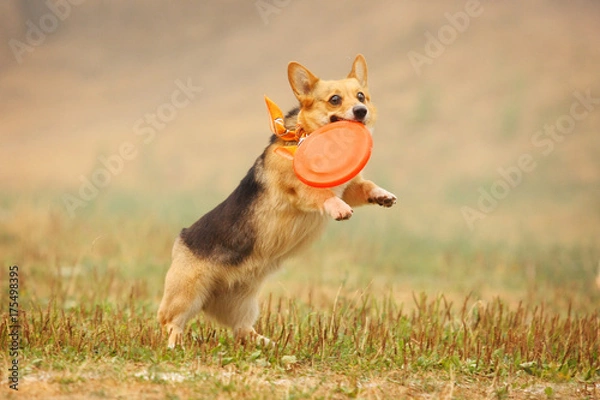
(88,83)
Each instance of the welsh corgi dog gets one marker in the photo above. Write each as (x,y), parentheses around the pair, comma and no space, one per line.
(220,262)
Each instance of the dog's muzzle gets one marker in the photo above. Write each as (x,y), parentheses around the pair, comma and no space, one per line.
(360,112)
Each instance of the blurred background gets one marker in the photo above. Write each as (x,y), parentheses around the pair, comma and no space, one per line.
(174,90)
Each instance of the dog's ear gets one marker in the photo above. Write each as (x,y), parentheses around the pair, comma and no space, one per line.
(301,79)
(359,70)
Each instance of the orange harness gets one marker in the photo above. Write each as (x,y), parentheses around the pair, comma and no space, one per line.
(277,124)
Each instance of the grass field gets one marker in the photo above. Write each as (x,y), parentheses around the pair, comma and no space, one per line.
(393,317)
(410,302)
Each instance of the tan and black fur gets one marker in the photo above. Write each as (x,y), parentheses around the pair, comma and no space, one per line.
(220,262)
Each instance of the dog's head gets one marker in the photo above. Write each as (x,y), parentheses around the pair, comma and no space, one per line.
(324,101)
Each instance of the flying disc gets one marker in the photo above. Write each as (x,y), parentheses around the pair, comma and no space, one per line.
(333,154)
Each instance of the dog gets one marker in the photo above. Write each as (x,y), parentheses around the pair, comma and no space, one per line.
(220,262)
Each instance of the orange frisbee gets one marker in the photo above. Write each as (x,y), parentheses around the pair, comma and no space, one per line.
(333,154)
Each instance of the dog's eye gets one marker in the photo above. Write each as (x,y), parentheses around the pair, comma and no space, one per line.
(335,100)
(361,97)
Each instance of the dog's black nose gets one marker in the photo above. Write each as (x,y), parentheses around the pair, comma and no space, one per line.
(359,112)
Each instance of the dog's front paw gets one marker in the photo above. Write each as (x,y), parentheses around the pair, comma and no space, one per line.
(337,208)
(382,197)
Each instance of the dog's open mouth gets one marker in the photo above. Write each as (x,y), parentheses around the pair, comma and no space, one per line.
(335,118)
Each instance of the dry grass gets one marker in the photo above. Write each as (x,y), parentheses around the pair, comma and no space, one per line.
(358,348)
(88,321)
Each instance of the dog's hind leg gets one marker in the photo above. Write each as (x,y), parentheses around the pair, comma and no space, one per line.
(244,328)
(187,287)
(237,308)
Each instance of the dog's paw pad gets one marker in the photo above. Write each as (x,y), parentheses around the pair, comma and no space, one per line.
(338,209)
(382,197)
(344,216)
